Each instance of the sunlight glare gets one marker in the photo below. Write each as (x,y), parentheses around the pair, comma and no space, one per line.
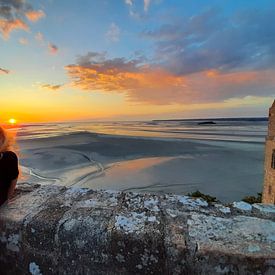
(12,121)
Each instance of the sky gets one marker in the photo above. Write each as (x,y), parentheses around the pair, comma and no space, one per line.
(65,60)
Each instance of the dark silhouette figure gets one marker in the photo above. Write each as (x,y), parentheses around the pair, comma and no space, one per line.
(8,168)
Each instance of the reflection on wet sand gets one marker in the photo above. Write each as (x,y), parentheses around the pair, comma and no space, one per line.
(227,170)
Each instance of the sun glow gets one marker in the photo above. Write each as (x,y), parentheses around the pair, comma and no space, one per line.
(12,121)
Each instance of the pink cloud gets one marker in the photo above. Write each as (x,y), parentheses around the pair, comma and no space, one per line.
(53,49)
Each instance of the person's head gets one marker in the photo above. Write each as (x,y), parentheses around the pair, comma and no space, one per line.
(4,140)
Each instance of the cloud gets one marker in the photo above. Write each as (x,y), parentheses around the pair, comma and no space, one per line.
(206,58)
(135,8)
(39,37)
(13,14)
(6,27)
(53,49)
(244,41)
(146,5)
(23,41)
(113,33)
(51,87)
(153,84)
(4,71)
(34,16)
(129,2)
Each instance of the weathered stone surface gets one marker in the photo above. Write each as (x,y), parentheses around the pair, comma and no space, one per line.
(225,241)
(54,230)
(269,169)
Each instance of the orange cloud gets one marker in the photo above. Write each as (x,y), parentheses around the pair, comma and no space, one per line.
(145,85)
(34,16)
(51,87)
(154,85)
(235,77)
(13,14)
(7,26)
(4,71)
(212,73)
(214,86)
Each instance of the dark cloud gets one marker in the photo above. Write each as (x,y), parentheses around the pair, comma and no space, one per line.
(13,14)
(4,71)
(209,40)
(190,30)
(99,62)
(91,58)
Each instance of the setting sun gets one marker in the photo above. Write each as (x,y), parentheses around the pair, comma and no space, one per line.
(12,121)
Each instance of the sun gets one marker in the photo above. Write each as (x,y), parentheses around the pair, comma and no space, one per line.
(12,121)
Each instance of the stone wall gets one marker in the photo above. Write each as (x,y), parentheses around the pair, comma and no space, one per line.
(271,121)
(269,171)
(55,230)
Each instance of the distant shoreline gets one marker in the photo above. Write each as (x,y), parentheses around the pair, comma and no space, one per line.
(265,119)
(216,119)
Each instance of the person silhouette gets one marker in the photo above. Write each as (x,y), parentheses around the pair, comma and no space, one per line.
(8,167)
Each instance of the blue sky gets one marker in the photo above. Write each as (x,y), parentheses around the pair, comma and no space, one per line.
(136,59)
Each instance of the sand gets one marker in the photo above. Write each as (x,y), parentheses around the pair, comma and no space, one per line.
(227,170)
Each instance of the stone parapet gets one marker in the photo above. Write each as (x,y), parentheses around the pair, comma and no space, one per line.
(58,230)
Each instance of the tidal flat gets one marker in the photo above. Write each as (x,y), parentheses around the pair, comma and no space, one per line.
(226,169)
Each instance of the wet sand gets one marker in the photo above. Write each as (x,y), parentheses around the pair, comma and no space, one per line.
(227,170)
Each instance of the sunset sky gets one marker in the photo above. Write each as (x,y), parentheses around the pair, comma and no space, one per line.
(135,59)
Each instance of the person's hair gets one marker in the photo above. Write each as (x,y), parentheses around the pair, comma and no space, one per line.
(5,140)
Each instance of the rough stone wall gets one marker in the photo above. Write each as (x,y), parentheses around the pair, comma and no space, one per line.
(271,122)
(55,230)
(269,178)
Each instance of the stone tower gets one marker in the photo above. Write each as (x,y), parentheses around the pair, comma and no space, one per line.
(269,178)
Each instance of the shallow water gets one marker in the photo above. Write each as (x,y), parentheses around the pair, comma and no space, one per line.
(224,159)
(247,130)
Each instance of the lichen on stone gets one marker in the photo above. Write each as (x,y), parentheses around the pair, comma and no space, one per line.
(34,269)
